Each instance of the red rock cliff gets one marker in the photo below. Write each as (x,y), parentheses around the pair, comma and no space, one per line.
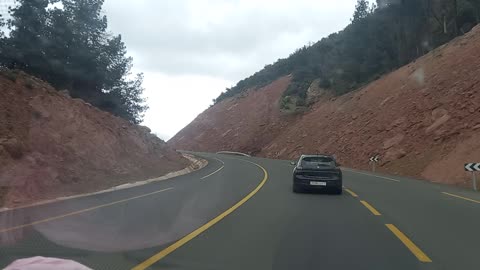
(423,119)
(52,145)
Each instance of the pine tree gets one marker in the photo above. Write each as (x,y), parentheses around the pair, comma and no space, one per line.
(361,11)
(71,48)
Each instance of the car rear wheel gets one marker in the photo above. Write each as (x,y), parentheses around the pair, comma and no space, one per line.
(338,191)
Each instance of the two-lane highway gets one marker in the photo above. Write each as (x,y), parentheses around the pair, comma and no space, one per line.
(240,213)
(118,230)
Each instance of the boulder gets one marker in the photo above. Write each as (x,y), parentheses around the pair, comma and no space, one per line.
(439,122)
(393,141)
(394,154)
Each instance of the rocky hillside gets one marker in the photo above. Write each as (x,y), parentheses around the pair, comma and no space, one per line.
(246,122)
(422,119)
(52,145)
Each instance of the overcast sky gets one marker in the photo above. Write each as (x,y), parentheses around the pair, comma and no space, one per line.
(191,50)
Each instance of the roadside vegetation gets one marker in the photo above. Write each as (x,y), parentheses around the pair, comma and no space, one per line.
(381,37)
(66,43)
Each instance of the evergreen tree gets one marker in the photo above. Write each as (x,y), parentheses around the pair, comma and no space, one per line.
(71,48)
(380,38)
(361,11)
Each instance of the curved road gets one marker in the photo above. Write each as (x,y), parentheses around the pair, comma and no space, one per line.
(240,213)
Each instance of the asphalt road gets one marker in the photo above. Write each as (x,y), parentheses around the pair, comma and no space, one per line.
(240,213)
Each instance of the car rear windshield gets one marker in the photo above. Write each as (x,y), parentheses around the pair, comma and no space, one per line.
(315,162)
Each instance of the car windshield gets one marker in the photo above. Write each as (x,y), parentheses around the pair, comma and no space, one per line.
(315,162)
(211,134)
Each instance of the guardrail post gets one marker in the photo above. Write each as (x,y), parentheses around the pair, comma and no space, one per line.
(474,180)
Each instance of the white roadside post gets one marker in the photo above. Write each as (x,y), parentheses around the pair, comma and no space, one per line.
(473,168)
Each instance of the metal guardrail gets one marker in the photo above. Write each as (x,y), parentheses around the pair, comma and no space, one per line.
(233,153)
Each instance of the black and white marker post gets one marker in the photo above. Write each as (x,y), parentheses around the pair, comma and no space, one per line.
(473,167)
(373,161)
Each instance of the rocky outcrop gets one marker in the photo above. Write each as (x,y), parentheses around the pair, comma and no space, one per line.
(52,145)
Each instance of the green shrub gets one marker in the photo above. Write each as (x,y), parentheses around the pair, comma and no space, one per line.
(28,84)
(300,102)
(324,83)
(11,75)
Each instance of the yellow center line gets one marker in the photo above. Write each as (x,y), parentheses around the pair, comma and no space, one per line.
(351,193)
(155,258)
(460,197)
(371,208)
(421,256)
(80,211)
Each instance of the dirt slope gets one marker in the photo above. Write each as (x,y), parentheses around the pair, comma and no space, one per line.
(423,119)
(245,123)
(52,145)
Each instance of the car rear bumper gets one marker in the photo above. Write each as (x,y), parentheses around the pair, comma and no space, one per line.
(329,184)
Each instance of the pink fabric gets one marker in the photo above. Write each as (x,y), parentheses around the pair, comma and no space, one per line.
(43,263)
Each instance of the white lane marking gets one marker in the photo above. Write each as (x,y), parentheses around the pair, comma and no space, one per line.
(74,213)
(223,165)
(179,243)
(219,160)
(378,176)
(461,197)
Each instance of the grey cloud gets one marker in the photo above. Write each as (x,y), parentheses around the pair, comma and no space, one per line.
(173,38)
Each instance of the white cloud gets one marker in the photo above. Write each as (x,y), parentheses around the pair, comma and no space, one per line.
(176,100)
(191,50)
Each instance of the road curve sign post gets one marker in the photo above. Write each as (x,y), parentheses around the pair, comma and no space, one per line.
(473,168)
(373,161)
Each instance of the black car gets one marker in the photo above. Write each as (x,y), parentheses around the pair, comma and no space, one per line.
(317,172)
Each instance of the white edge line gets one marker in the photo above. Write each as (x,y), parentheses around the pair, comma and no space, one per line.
(81,211)
(169,175)
(223,165)
(378,176)
(461,197)
(208,175)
